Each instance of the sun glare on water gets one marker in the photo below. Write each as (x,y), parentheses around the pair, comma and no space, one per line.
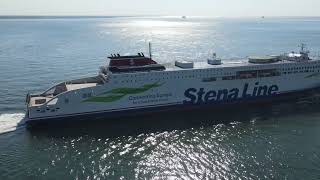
(157,27)
(158,24)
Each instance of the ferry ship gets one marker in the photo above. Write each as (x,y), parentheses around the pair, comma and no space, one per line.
(133,85)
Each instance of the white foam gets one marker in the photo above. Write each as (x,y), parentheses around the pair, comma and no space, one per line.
(11,122)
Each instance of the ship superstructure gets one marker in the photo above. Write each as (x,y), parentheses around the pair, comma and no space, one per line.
(137,84)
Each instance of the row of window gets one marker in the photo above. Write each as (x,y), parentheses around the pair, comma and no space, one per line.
(300,68)
(210,79)
(195,74)
(215,71)
(227,76)
(294,72)
(48,109)
(207,78)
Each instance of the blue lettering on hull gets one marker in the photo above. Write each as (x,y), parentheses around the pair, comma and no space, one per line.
(201,96)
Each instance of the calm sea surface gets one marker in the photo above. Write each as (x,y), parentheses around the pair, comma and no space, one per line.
(279,141)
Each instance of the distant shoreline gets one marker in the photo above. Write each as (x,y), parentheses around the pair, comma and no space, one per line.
(57,17)
(127,16)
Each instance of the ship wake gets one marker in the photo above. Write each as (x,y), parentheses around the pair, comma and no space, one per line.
(11,122)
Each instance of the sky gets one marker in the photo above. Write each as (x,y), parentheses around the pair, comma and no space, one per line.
(212,8)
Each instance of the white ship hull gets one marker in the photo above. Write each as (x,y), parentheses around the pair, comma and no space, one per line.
(162,90)
(137,84)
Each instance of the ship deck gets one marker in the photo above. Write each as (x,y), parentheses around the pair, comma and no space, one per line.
(33,100)
(71,87)
(40,100)
(228,64)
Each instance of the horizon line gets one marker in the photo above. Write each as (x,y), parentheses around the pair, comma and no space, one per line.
(113,16)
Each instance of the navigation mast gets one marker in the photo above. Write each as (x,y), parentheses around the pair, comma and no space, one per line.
(303,48)
(150,52)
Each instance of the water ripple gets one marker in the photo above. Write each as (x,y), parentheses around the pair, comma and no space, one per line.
(277,142)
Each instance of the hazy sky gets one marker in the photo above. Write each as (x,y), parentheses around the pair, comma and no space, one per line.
(162,7)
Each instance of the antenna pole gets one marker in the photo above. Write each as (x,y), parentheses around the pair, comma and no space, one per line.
(150,52)
(302,46)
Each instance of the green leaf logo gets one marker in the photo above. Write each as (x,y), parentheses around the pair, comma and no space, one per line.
(118,93)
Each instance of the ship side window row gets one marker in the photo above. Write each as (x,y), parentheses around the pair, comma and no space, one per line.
(169,75)
(300,68)
(212,75)
(305,69)
(253,74)
(205,76)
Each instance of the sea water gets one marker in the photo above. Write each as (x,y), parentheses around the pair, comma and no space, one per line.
(270,142)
